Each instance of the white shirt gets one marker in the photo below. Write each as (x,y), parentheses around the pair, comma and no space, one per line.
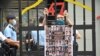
(2,37)
(10,32)
(42,36)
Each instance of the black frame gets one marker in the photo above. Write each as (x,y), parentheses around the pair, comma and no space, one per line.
(84,27)
(1,20)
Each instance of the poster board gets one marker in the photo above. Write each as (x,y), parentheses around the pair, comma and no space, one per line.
(59,41)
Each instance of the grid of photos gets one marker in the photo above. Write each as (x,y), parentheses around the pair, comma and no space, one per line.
(59,41)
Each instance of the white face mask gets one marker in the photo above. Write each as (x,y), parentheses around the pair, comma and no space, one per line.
(14,22)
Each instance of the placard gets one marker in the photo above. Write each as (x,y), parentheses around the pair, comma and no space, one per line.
(59,41)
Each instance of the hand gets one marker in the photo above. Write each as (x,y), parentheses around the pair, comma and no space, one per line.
(45,12)
(78,38)
(18,45)
(66,13)
(18,42)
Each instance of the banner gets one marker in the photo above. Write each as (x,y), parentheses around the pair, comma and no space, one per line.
(59,41)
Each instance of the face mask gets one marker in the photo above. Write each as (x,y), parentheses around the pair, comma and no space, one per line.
(60,22)
(14,22)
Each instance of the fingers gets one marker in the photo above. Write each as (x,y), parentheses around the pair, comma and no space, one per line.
(18,45)
(65,13)
(45,11)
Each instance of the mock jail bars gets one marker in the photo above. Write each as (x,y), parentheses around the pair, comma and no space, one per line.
(83,19)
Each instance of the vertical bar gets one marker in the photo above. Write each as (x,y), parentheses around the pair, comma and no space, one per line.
(28,18)
(0,19)
(93,30)
(28,12)
(20,25)
(28,27)
(74,29)
(66,5)
(46,15)
(84,28)
(37,33)
(74,12)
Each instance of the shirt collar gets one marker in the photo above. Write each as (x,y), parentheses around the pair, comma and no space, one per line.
(10,25)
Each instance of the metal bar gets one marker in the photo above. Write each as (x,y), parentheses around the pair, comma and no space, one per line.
(28,18)
(46,15)
(81,53)
(74,12)
(0,19)
(84,29)
(20,25)
(93,30)
(74,28)
(28,12)
(2,16)
(37,33)
(66,5)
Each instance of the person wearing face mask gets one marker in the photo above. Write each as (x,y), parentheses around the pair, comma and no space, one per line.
(64,19)
(3,40)
(10,33)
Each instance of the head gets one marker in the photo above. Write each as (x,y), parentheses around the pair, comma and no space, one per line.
(11,20)
(59,16)
(41,21)
(60,20)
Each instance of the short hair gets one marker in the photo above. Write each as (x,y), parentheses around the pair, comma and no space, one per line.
(10,17)
(41,19)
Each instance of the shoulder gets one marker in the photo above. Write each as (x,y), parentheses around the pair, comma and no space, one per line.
(8,26)
(2,37)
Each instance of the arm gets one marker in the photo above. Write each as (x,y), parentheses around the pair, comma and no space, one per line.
(78,35)
(9,41)
(68,20)
(45,12)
